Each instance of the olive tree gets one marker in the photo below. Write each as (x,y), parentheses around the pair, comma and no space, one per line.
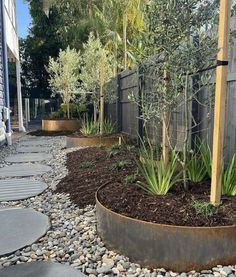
(182,38)
(96,71)
(64,74)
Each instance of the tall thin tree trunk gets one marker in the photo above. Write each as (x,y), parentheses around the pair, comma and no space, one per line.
(186,131)
(68,109)
(165,126)
(102,102)
(125,40)
(94,112)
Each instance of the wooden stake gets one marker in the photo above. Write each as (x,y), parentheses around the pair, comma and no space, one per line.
(165,127)
(220,99)
(102,102)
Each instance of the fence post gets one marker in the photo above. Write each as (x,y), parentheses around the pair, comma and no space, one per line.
(140,92)
(118,105)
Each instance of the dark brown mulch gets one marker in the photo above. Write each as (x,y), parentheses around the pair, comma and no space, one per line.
(175,208)
(83,183)
(40,133)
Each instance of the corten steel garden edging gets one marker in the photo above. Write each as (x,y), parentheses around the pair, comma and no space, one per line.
(58,125)
(176,248)
(73,141)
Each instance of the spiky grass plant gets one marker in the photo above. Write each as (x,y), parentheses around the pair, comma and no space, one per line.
(159,178)
(89,127)
(229,178)
(195,168)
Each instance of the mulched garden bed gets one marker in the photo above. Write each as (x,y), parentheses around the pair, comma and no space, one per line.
(39,133)
(175,208)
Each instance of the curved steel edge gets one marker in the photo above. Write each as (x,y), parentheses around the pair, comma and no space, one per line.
(177,248)
(93,141)
(51,125)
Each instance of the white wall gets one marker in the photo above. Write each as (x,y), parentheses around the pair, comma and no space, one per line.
(11,29)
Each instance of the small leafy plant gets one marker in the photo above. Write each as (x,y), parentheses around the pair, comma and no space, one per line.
(115,150)
(130,179)
(120,165)
(204,208)
(229,178)
(87,164)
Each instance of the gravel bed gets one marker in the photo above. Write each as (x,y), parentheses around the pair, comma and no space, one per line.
(72,239)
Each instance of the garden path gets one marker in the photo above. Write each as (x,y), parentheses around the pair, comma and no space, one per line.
(22,227)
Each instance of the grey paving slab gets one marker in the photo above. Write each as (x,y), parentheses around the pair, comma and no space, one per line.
(28,157)
(32,149)
(18,189)
(40,269)
(23,170)
(20,228)
(32,142)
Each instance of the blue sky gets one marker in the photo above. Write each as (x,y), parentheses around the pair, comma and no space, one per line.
(23,18)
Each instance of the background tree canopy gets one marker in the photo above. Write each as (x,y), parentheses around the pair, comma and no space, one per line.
(118,24)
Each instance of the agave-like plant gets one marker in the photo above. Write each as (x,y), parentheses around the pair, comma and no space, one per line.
(159,178)
(195,168)
(228,181)
(89,127)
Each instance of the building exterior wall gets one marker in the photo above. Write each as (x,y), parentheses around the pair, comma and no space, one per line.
(2,127)
(11,28)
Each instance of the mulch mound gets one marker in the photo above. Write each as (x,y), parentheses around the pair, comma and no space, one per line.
(175,208)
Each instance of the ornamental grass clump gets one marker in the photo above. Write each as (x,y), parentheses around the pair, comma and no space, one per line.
(195,168)
(159,177)
(89,127)
(229,178)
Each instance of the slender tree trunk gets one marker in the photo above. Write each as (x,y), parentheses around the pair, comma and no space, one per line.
(94,112)
(68,109)
(165,126)
(125,40)
(102,102)
(186,131)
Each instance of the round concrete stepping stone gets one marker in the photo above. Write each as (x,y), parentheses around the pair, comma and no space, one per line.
(40,269)
(20,228)
(34,142)
(18,189)
(32,149)
(28,157)
(23,170)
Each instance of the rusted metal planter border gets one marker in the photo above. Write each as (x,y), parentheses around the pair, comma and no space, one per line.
(176,248)
(72,141)
(60,125)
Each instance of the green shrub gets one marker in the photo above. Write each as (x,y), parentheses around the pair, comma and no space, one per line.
(204,208)
(130,179)
(229,178)
(88,164)
(120,165)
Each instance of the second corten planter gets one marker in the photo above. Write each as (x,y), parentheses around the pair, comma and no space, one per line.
(108,141)
(60,125)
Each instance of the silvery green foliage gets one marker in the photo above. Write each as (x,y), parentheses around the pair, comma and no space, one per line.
(182,39)
(93,54)
(64,74)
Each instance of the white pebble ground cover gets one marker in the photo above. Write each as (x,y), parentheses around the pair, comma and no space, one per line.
(72,239)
